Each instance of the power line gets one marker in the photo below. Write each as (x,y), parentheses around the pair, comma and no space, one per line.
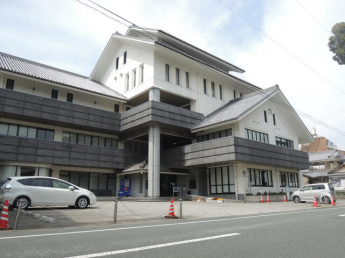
(260,92)
(313,17)
(279,45)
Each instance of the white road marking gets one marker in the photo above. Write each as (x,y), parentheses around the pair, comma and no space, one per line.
(342,215)
(154,246)
(167,225)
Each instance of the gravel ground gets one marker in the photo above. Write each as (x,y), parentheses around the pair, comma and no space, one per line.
(134,212)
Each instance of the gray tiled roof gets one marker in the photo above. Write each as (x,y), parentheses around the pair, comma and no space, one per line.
(315,173)
(47,73)
(236,108)
(325,155)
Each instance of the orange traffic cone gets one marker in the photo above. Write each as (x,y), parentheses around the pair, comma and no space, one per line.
(285,198)
(262,199)
(171,210)
(332,201)
(268,198)
(315,202)
(4,216)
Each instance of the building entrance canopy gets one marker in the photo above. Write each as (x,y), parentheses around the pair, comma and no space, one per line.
(142,167)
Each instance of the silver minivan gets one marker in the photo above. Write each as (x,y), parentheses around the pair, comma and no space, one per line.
(321,190)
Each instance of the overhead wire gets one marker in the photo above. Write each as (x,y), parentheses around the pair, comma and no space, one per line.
(279,45)
(260,92)
(324,27)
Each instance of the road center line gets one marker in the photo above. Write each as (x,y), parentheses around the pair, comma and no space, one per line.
(166,225)
(154,246)
(342,215)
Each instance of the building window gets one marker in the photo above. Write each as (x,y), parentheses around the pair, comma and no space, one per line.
(187,79)
(26,131)
(125,57)
(259,177)
(205,87)
(265,116)
(213,89)
(134,72)
(192,182)
(289,178)
(167,70)
(220,92)
(116,108)
(141,183)
(9,84)
(142,73)
(284,142)
(222,180)
(84,139)
(177,76)
(256,136)
(117,63)
(54,94)
(69,97)
(127,81)
(128,108)
(136,146)
(215,135)
(234,94)
(274,119)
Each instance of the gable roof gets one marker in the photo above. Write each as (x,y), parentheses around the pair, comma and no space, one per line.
(325,156)
(32,69)
(236,108)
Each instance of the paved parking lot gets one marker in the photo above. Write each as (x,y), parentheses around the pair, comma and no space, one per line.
(133,212)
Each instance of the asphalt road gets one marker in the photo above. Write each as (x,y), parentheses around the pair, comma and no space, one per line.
(308,233)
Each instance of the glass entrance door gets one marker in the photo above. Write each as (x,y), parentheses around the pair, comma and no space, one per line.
(167,184)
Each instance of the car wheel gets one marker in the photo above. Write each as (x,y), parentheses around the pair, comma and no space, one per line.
(296,199)
(326,200)
(82,202)
(23,201)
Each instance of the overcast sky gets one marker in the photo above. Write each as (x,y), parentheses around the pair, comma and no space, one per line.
(70,36)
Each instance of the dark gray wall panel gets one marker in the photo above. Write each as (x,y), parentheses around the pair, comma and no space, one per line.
(57,153)
(232,149)
(27,107)
(158,112)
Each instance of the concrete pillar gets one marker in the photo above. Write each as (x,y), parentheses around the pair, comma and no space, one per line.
(43,171)
(118,184)
(154,161)
(56,172)
(7,171)
(58,134)
(154,94)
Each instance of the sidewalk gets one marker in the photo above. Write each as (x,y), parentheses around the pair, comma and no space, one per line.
(134,212)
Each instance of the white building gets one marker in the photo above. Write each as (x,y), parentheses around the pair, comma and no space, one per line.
(157,110)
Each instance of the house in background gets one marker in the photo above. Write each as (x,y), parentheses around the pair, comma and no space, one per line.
(155,110)
(326,163)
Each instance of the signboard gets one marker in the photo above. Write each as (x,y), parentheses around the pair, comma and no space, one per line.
(176,189)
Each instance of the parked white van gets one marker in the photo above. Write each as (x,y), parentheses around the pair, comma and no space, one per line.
(44,191)
(307,193)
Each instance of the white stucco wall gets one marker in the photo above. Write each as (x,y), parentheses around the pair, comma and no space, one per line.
(44,89)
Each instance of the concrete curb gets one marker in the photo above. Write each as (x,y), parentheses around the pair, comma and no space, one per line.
(38,216)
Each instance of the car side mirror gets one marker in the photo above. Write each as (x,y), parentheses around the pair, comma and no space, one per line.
(302,190)
(71,188)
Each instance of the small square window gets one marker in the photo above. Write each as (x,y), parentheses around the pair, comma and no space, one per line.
(117,63)
(70,97)
(54,94)
(9,84)
(116,108)
(125,57)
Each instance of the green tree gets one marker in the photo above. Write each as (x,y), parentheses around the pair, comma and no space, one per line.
(336,43)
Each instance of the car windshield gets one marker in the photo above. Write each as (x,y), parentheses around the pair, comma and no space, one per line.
(2,183)
(331,187)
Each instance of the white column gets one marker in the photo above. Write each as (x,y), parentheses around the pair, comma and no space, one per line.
(7,171)
(43,171)
(154,152)
(154,94)
(154,161)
